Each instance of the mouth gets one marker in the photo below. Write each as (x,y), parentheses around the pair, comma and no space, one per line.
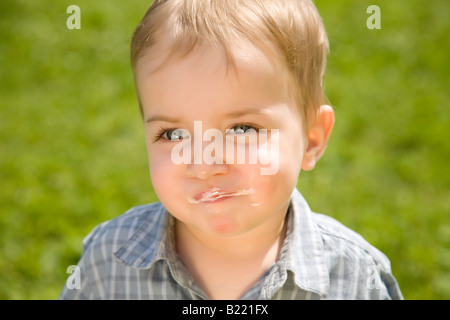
(215,194)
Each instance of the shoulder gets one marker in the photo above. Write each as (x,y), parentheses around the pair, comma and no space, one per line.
(340,238)
(99,270)
(357,269)
(116,231)
(338,241)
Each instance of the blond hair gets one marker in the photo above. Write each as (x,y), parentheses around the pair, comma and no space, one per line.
(288,30)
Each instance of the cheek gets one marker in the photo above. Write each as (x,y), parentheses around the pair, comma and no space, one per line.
(275,175)
(291,155)
(281,156)
(280,185)
(163,172)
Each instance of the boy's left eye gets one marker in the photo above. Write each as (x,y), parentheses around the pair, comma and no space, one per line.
(241,129)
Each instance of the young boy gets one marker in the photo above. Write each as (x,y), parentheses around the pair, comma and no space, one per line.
(232,99)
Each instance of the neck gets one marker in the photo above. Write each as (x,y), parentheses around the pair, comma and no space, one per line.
(225,267)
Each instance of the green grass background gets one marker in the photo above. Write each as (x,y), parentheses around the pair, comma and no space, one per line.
(72,150)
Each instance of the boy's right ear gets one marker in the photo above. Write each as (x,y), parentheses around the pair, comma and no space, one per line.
(317,137)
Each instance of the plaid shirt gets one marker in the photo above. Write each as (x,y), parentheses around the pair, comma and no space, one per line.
(133,257)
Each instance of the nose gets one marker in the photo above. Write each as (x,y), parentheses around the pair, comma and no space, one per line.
(207,161)
(205,171)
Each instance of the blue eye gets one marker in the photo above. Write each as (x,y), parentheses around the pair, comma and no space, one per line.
(241,129)
(175,134)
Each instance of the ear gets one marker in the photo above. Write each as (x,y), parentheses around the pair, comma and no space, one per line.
(317,137)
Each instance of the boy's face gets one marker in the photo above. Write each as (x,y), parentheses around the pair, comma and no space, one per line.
(232,197)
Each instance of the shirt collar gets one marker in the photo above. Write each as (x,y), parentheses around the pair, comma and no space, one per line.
(153,240)
(302,252)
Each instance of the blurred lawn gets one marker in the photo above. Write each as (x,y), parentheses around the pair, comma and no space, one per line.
(72,150)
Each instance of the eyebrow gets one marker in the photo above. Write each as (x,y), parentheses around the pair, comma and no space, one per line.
(249,111)
(161,118)
(234,114)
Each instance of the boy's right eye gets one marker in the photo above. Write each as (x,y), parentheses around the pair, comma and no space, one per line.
(175,134)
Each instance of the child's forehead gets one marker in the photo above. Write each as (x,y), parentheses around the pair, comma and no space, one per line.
(202,78)
(206,57)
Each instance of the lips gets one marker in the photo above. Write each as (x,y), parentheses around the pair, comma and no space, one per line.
(214,194)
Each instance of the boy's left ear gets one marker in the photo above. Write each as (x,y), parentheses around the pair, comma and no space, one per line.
(317,137)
